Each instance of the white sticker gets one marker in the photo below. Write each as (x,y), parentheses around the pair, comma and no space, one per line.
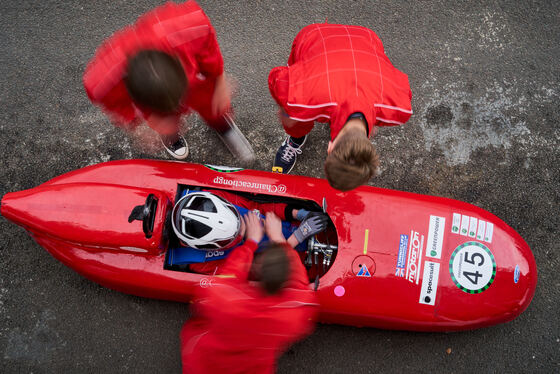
(472,267)
(472,227)
(464,225)
(429,287)
(489,232)
(435,237)
(481,228)
(456,223)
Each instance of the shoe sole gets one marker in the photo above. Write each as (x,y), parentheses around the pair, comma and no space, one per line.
(287,172)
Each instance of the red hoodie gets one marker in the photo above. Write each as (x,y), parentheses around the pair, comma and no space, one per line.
(336,70)
(181,30)
(237,328)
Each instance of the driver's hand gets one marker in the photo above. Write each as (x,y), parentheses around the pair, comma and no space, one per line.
(253,227)
(273,227)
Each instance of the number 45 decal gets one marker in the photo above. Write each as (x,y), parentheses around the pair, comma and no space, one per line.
(473,277)
(472,267)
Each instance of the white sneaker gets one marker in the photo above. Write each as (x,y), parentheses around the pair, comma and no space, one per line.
(178,150)
(236,142)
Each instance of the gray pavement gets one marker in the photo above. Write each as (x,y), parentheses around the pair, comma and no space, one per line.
(485,81)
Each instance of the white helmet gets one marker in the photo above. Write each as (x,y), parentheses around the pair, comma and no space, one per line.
(203,220)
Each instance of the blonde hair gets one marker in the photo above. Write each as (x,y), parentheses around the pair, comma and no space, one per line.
(352,161)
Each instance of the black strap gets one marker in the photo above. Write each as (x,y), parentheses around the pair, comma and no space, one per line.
(359,115)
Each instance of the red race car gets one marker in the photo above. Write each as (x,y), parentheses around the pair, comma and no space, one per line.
(389,259)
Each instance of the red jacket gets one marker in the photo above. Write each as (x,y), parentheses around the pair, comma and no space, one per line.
(336,70)
(182,30)
(237,328)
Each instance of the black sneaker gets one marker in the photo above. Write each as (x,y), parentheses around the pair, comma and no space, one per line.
(286,156)
(179,150)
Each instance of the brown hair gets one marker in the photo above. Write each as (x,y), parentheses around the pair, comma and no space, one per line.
(156,80)
(275,268)
(352,161)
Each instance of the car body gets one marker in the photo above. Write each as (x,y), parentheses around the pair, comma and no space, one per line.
(399,260)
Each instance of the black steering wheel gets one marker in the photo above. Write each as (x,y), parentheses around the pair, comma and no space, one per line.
(145,213)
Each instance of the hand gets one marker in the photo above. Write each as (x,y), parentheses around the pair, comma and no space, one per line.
(314,223)
(286,121)
(242,228)
(221,100)
(253,227)
(273,227)
(300,214)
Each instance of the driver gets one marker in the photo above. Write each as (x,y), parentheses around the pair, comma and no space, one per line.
(212,221)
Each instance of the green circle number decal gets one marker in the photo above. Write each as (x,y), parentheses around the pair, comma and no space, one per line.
(472,267)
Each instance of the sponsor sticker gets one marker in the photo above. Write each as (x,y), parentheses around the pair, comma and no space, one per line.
(430,278)
(273,188)
(414,260)
(472,227)
(456,223)
(464,225)
(363,266)
(516,274)
(472,267)
(435,237)
(489,232)
(401,259)
(481,230)
(364,272)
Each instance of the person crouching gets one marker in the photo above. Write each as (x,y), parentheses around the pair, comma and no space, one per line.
(243,327)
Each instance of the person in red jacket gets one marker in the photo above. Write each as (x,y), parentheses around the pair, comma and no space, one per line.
(243,327)
(338,74)
(162,67)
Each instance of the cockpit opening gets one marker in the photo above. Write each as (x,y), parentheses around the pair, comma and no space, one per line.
(201,251)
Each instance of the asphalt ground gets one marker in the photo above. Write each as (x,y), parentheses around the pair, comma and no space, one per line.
(484,76)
